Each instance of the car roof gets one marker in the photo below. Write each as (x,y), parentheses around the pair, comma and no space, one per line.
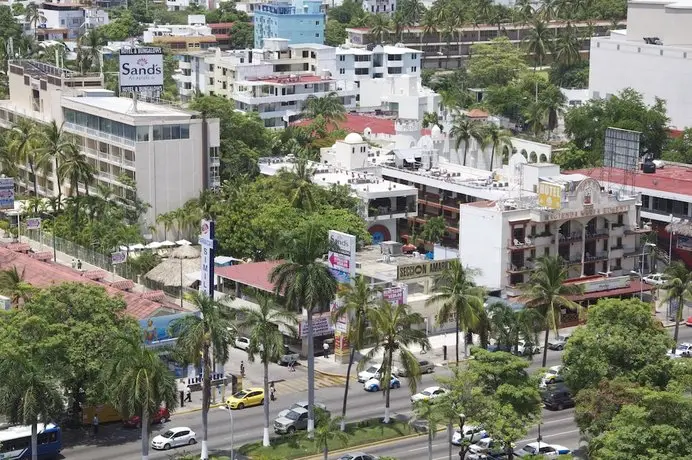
(179,428)
(253,389)
(431,388)
(299,410)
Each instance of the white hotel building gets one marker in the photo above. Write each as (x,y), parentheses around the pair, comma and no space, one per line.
(652,56)
(171,154)
(275,81)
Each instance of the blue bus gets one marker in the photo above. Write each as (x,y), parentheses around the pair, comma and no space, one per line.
(15,442)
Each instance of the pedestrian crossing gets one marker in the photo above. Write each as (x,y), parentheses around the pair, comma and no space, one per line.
(298,382)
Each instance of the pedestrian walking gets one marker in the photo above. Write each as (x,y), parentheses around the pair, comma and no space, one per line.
(188,394)
(74,264)
(79,264)
(95,424)
(272,392)
(242,368)
(325,347)
(292,365)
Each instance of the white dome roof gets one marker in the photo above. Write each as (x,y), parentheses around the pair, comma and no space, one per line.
(435,130)
(353,138)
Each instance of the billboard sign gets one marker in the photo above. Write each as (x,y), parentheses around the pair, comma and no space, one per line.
(6,193)
(119,257)
(342,256)
(549,195)
(158,329)
(141,69)
(33,223)
(321,326)
(396,295)
(206,240)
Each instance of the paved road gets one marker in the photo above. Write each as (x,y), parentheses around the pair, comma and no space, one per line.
(115,442)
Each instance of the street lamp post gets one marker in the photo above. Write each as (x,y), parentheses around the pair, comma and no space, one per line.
(55,254)
(230,412)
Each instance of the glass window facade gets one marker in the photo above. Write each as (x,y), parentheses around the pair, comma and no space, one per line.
(171,132)
(97,123)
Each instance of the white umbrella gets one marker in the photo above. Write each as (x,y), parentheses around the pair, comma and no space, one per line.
(167,244)
(137,247)
(183,243)
(153,245)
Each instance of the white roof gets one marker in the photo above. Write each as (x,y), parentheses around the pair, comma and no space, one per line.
(123,105)
(20,431)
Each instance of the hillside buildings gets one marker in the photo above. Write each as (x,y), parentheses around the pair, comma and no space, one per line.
(302,21)
(196,35)
(169,154)
(437,54)
(653,56)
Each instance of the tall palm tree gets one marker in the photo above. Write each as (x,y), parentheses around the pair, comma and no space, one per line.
(548,10)
(138,382)
(301,183)
(568,46)
(327,430)
(92,41)
(8,160)
(463,130)
(429,26)
(31,396)
(678,288)
(206,336)
(547,292)
(497,138)
(266,340)
(534,116)
(54,144)
(429,412)
(166,219)
(379,27)
(393,329)
(23,136)
(539,42)
(330,107)
(33,16)
(14,286)
(552,101)
(305,282)
(76,168)
(525,10)
(357,300)
(458,298)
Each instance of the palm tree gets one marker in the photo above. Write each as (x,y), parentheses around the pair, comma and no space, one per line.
(357,300)
(301,182)
(429,412)
(305,282)
(429,25)
(524,9)
(55,144)
(568,46)
(138,382)
(547,292)
(92,41)
(678,288)
(30,396)
(463,130)
(327,430)
(535,118)
(539,42)
(166,219)
(552,101)
(76,167)
(458,298)
(393,330)
(14,286)
(22,139)
(208,337)
(496,137)
(548,10)
(8,160)
(266,340)
(379,27)
(330,107)
(399,23)
(33,16)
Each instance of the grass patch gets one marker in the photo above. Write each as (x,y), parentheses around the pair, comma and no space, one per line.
(298,445)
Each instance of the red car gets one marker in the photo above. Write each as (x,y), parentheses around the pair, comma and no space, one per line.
(161,416)
(688,323)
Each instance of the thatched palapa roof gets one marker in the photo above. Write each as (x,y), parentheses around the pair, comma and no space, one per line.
(168,272)
(680,227)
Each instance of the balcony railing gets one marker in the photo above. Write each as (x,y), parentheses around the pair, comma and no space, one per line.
(517,244)
(599,233)
(633,230)
(595,257)
(569,238)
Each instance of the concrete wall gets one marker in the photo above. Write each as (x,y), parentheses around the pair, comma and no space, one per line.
(486,225)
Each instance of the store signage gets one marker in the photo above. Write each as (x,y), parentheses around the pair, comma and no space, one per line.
(6,193)
(606,284)
(206,240)
(421,269)
(33,223)
(396,295)
(141,69)
(119,257)
(549,195)
(321,326)
(586,212)
(342,256)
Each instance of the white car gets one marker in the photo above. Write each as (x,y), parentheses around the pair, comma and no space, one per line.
(684,350)
(428,394)
(484,449)
(552,376)
(175,437)
(242,342)
(542,448)
(472,434)
(657,279)
(523,350)
(558,343)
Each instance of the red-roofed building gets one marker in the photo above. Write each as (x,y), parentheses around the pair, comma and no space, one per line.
(665,194)
(355,123)
(254,275)
(222,32)
(45,274)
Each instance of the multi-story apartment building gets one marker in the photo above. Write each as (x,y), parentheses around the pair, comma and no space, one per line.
(437,54)
(67,16)
(595,231)
(386,77)
(196,35)
(303,21)
(170,154)
(383,203)
(379,6)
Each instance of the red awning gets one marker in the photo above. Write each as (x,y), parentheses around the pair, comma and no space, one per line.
(635,287)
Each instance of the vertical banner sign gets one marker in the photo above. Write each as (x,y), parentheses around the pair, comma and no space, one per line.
(33,223)
(206,240)
(141,69)
(118,257)
(6,193)
(342,264)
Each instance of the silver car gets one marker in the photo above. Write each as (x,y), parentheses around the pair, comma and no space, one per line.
(296,419)
(301,405)
(426,367)
(357,456)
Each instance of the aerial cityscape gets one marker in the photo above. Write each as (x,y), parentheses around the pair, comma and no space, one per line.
(345,230)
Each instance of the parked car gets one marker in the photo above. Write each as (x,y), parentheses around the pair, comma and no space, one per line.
(372,371)
(175,437)
(688,323)
(542,448)
(296,419)
(551,377)
(163,415)
(558,343)
(429,393)
(523,349)
(484,449)
(246,398)
(426,367)
(242,342)
(557,399)
(375,385)
(472,434)
(357,456)
(301,405)
(657,279)
(288,357)
(684,350)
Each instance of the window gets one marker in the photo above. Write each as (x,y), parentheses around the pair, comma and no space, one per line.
(142,133)
(171,132)
(362,71)
(342,58)
(342,71)
(317,23)
(414,69)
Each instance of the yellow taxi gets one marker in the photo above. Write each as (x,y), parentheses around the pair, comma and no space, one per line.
(246,398)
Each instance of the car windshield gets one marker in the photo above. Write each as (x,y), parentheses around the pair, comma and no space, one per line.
(168,434)
(683,346)
(371,369)
(426,392)
(529,449)
(293,415)
(240,394)
(295,406)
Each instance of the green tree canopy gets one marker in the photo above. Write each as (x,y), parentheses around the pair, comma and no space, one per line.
(495,63)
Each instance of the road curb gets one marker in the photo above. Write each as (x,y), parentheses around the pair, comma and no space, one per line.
(330,374)
(197,409)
